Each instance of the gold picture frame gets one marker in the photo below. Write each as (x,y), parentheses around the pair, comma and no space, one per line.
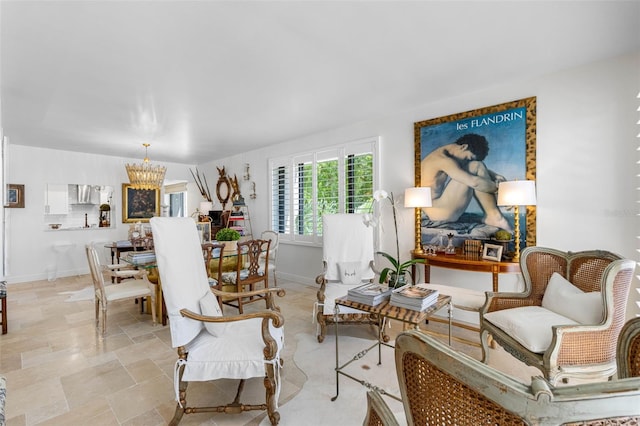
(510,129)
(15,196)
(139,205)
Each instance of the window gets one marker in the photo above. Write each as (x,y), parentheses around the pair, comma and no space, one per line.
(175,196)
(306,186)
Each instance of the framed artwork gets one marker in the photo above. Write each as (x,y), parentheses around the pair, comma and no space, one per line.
(15,196)
(204,229)
(492,252)
(462,158)
(139,205)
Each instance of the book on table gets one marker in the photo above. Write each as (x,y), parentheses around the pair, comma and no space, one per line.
(369,293)
(141,256)
(414,297)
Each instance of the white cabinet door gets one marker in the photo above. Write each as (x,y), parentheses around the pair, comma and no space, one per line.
(57,199)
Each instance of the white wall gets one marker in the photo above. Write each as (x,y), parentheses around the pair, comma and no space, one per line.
(29,244)
(586,164)
(586,167)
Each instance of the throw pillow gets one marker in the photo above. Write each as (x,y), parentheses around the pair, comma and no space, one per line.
(209,306)
(350,273)
(567,300)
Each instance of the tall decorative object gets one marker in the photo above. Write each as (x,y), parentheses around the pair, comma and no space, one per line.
(417,197)
(105,216)
(517,193)
(145,175)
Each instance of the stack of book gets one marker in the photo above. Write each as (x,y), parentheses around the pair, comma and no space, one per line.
(140,257)
(413,297)
(369,294)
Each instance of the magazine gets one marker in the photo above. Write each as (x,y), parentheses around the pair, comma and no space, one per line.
(369,293)
(414,297)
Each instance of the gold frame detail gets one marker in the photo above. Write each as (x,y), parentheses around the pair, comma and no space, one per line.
(19,190)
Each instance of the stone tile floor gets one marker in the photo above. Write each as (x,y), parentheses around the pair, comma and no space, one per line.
(60,371)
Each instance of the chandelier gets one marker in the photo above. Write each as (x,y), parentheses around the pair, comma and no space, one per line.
(145,176)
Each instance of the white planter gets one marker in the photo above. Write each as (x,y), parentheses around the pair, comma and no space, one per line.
(230,246)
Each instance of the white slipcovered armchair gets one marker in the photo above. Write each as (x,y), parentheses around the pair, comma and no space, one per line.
(211,346)
(347,258)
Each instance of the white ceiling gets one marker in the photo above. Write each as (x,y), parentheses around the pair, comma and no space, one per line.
(202,80)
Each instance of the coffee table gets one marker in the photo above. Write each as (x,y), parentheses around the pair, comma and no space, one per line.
(385,311)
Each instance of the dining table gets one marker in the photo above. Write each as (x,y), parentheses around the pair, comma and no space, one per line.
(143,260)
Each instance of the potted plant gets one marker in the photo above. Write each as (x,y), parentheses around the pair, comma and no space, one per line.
(229,237)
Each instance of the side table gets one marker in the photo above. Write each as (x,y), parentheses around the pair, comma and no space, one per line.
(385,311)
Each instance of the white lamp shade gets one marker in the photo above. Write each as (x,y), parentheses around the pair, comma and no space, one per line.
(517,193)
(205,207)
(417,197)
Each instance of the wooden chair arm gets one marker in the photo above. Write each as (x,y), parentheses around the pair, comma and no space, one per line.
(320,279)
(269,318)
(497,301)
(275,316)
(378,412)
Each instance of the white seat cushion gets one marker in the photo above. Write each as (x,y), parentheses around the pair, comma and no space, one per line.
(235,354)
(529,325)
(127,289)
(463,298)
(334,290)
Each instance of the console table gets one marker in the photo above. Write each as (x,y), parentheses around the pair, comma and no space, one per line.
(464,262)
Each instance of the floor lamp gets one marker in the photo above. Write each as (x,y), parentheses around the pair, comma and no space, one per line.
(418,198)
(517,193)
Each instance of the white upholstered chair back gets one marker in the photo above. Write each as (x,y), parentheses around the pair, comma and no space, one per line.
(346,238)
(182,273)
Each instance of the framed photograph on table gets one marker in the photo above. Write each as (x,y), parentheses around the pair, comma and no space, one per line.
(462,158)
(15,196)
(139,205)
(492,252)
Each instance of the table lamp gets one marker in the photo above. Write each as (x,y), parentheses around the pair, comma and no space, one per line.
(203,211)
(517,193)
(417,197)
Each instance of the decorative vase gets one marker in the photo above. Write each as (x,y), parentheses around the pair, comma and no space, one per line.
(396,281)
(450,249)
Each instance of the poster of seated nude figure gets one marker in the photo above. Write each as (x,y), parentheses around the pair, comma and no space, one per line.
(463,158)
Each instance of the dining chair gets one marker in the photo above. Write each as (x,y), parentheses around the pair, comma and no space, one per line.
(249,271)
(274,237)
(213,254)
(127,289)
(210,346)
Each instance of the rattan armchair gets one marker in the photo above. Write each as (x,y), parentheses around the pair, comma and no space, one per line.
(628,355)
(441,386)
(579,350)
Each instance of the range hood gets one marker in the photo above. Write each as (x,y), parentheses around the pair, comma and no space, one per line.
(84,194)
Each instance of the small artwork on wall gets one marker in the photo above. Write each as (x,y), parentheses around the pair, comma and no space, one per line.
(15,196)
